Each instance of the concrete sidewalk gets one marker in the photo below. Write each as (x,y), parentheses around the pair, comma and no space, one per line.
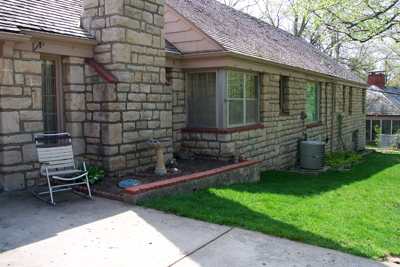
(81,232)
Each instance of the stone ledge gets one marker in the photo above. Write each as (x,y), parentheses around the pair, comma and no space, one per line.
(247,171)
(311,125)
(226,131)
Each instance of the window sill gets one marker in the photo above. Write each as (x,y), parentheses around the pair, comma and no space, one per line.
(283,114)
(314,124)
(225,131)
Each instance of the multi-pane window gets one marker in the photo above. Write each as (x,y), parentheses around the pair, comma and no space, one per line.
(386,126)
(49,96)
(243,107)
(202,94)
(222,99)
(395,127)
(312,102)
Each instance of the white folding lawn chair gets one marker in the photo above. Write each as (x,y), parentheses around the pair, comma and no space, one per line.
(56,160)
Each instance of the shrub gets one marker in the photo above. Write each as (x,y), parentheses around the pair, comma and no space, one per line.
(378,132)
(341,157)
(396,141)
(94,174)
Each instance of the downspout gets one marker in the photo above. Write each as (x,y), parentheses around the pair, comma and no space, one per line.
(333,110)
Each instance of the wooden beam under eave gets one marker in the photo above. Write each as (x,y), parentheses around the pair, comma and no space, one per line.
(6,49)
(102,71)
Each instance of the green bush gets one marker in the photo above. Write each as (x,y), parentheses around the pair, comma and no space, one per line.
(396,141)
(339,158)
(378,132)
(94,174)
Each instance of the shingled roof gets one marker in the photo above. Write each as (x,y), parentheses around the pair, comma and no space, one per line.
(51,16)
(383,101)
(169,48)
(241,33)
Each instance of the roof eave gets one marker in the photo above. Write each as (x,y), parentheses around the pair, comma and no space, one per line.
(60,37)
(14,37)
(298,69)
(219,54)
(172,55)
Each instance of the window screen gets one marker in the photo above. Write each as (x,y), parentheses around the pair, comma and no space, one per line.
(202,99)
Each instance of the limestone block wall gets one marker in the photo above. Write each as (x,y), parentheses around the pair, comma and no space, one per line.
(275,142)
(74,96)
(123,117)
(20,119)
(176,79)
(353,116)
(248,142)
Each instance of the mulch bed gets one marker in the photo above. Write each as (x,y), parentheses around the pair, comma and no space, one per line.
(185,167)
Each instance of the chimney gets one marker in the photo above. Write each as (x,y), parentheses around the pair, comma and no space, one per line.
(378,78)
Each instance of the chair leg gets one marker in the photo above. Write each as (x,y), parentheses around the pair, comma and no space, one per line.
(38,194)
(50,191)
(88,187)
(88,194)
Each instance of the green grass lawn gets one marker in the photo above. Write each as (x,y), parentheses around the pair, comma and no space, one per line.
(357,212)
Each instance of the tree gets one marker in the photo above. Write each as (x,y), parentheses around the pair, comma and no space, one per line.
(353,32)
(391,62)
(243,5)
(358,20)
(360,58)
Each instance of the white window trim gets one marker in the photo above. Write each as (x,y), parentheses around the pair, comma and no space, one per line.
(226,100)
(318,103)
(222,109)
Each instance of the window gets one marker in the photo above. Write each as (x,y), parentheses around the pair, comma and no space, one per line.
(386,127)
(368,130)
(312,102)
(344,99)
(283,94)
(350,100)
(375,123)
(243,107)
(202,92)
(395,126)
(222,99)
(51,95)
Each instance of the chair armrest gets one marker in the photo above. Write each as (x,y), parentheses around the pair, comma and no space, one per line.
(81,159)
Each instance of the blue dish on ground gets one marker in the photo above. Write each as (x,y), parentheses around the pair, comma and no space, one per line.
(129,183)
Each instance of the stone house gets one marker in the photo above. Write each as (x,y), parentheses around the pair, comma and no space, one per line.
(117,73)
(383,106)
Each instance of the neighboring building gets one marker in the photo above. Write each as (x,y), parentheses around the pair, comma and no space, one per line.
(383,106)
(217,81)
